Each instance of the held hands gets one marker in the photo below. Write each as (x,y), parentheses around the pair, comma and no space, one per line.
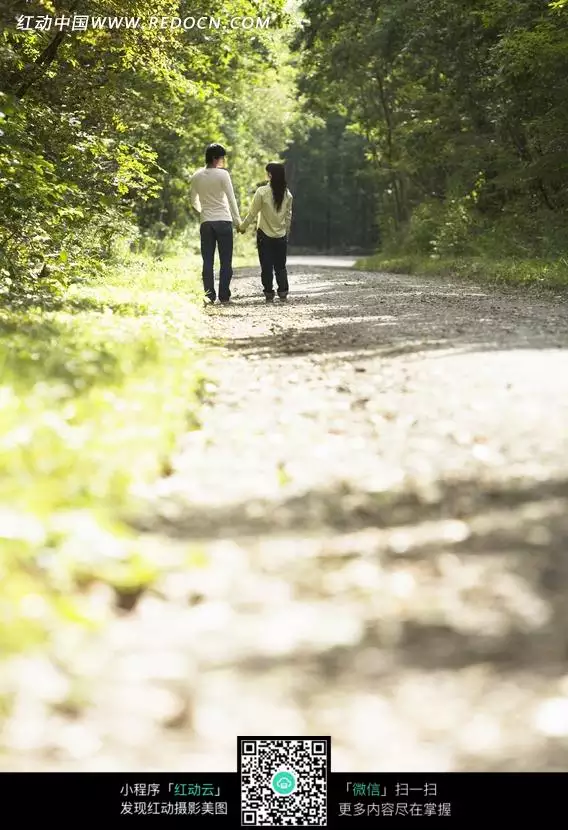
(240,229)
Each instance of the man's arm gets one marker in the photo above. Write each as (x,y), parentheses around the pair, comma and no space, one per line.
(289,215)
(194,195)
(253,212)
(228,188)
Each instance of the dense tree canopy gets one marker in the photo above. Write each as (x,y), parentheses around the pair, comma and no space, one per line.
(463,106)
(437,125)
(102,127)
(335,188)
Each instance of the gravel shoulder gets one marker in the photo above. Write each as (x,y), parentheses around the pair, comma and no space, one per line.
(367,538)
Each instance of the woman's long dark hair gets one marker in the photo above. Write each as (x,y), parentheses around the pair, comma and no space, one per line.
(277,182)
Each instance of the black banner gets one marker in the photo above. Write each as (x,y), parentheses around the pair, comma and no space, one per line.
(286,782)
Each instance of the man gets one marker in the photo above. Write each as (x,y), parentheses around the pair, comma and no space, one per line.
(212,195)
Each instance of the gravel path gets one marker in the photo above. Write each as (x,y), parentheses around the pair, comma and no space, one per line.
(368,538)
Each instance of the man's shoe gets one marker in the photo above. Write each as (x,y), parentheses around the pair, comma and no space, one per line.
(208,301)
(283,296)
(225,302)
(269,298)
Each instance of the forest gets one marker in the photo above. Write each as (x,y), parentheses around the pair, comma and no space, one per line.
(438,128)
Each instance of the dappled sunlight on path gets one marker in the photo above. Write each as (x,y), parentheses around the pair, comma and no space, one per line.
(366,538)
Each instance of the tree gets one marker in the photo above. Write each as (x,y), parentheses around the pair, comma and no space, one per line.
(334,195)
(462,106)
(100,126)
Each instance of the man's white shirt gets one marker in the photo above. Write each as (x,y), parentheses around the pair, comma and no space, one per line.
(212,194)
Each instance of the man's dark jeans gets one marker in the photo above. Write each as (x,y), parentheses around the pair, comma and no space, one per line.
(215,234)
(272,257)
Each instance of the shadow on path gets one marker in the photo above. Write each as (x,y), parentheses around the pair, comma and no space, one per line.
(521,525)
(453,592)
(399,316)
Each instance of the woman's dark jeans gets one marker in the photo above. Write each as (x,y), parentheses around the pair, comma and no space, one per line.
(272,257)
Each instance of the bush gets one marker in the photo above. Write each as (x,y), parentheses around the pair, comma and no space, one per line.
(97,384)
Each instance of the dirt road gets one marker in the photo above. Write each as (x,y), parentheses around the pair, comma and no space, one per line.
(376,515)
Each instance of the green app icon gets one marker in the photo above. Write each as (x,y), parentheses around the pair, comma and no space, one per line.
(284,782)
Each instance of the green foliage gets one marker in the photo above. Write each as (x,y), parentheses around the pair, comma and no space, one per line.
(100,129)
(335,197)
(463,109)
(258,123)
(95,391)
(443,228)
(545,273)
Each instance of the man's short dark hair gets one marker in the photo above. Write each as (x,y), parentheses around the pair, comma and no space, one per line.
(214,152)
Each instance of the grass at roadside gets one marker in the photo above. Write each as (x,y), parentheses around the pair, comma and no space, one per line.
(95,389)
(546,273)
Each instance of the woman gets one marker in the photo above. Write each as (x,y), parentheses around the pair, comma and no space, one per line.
(272,204)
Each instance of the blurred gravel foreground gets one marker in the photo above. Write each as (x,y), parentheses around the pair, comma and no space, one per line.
(367,538)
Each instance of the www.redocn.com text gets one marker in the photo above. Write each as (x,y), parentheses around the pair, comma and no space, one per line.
(78,23)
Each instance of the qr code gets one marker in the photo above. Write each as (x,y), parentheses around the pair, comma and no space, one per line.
(284,782)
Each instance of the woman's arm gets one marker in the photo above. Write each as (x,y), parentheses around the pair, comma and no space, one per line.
(289,215)
(253,212)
